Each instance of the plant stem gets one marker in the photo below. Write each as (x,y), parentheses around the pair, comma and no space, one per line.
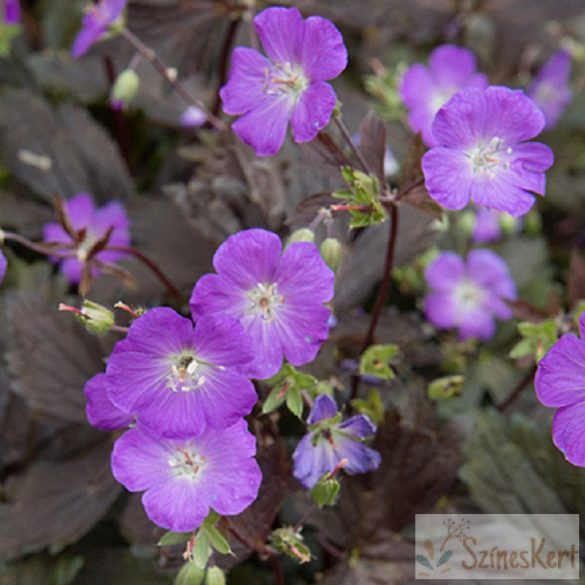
(224,61)
(170,77)
(382,293)
(517,390)
(39,248)
(150,264)
(347,137)
(277,570)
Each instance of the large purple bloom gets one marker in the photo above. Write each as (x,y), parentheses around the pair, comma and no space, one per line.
(11,11)
(424,90)
(179,379)
(101,412)
(469,295)
(96,22)
(3,266)
(560,383)
(185,479)
(330,441)
(278,297)
(482,154)
(550,88)
(288,86)
(92,224)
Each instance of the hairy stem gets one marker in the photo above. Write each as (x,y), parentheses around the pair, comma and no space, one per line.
(224,61)
(170,77)
(347,137)
(149,263)
(517,390)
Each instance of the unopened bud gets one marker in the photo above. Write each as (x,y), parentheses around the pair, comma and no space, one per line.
(467,221)
(96,318)
(193,117)
(125,89)
(325,492)
(508,223)
(533,223)
(332,251)
(215,576)
(301,235)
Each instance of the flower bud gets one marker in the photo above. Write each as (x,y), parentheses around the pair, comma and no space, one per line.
(332,251)
(325,492)
(125,89)
(301,235)
(215,576)
(533,223)
(190,574)
(96,318)
(290,542)
(508,223)
(467,221)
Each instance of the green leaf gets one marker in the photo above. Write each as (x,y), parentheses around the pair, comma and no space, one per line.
(537,339)
(217,540)
(190,574)
(201,549)
(294,402)
(446,388)
(171,538)
(376,361)
(364,191)
(287,386)
(371,406)
(325,492)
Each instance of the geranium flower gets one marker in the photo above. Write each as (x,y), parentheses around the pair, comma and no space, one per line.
(550,88)
(482,154)
(288,86)
(424,90)
(560,383)
(180,379)
(469,295)
(96,23)
(90,225)
(3,266)
(331,441)
(278,297)
(185,479)
(12,13)
(101,412)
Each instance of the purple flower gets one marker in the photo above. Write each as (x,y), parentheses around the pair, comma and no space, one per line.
(288,86)
(482,155)
(184,479)
(560,383)
(424,90)
(12,11)
(550,88)
(179,379)
(487,226)
(3,266)
(469,295)
(278,297)
(193,117)
(100,410)
(330,441)
(96,23)
(91,225)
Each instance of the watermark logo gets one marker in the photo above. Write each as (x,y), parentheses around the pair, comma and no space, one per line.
(497,546)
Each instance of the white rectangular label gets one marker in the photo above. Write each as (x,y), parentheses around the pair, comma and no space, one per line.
(497,546)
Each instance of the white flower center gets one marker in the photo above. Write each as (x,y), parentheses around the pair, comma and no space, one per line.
(186,373)
(440,98)
(265,301)
(468,295)
(486,157)
(186,462)
(285,79)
